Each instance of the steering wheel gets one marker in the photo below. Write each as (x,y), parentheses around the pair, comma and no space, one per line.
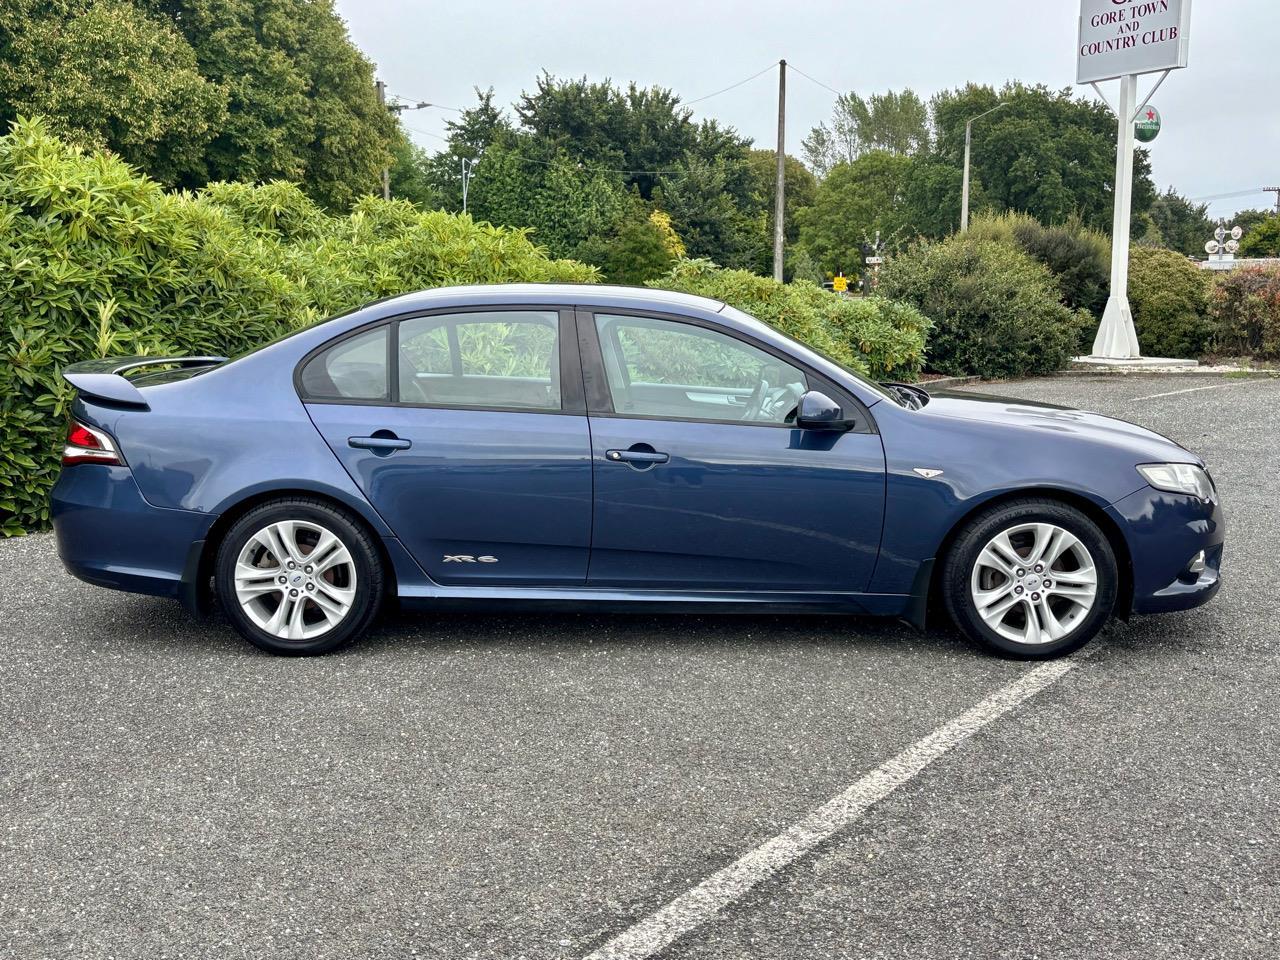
(755,403)
(782,402)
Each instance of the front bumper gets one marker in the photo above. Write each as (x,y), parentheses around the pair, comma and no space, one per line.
(1165,532)
(110,536)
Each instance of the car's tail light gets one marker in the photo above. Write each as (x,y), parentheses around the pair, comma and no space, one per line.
(87,445)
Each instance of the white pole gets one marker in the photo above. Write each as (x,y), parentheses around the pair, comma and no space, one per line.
(964,190)
(1117,339)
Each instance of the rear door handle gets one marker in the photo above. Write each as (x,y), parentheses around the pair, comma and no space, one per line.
(379,444)
(636,456)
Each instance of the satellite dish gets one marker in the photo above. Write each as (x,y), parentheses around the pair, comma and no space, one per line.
(1220,234)
(1236,233)
(1233,246)
(1211,247)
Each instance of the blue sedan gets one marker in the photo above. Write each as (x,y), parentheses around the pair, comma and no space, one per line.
(568,445)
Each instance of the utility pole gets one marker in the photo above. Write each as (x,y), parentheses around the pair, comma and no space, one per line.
(779,202)
(1276,191)
(386,171)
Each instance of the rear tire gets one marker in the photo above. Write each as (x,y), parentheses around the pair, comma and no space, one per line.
(1030,579)
(298,577)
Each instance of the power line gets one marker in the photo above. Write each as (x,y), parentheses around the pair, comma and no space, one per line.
(440,106)
(732,86)
(551,163)
(825,86)
(1230,196)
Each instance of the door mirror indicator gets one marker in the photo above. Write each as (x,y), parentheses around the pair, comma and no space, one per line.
(817,411)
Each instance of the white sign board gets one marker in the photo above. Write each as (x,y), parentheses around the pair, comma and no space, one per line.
(1119,37)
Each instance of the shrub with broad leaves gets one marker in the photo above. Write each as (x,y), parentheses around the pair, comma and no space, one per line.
(872,335)
(996,312)
(98,260)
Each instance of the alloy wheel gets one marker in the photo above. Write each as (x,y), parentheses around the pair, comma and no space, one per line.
(295,579)
(1034,583)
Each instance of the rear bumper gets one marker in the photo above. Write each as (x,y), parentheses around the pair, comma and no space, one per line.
(1165,531)
(108,535)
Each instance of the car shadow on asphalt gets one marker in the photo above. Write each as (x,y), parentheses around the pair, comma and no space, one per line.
(151,622)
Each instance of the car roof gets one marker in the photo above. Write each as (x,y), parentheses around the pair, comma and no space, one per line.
(595,294)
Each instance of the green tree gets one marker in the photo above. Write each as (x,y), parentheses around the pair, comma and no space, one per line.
(198,90)
(893,122)
(578,152)
(302,104)
(411,174)
(108,75)
(701,203)
(1262,239)
(1180,224)
(854,201)
(469,136)
(932,196)
(1047,153)
(637,254)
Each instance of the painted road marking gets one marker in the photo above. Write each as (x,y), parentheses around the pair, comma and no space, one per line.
(703,902)
(1174,393)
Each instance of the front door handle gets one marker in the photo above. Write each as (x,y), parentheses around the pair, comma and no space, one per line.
(382,442)
(645,457)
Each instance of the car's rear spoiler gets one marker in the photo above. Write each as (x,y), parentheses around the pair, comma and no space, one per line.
(103,380)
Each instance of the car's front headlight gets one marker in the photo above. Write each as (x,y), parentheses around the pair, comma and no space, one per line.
(1178,478)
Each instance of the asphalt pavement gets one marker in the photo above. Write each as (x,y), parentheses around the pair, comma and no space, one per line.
(513,785)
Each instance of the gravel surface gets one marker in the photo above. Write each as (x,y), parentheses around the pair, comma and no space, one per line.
(503,785)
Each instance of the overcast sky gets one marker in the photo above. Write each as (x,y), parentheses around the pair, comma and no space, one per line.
(1221,119)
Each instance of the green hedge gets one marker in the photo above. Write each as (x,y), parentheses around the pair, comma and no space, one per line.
(1169,297)
(996,311)
(1245,304)
(97,260)
(873,335)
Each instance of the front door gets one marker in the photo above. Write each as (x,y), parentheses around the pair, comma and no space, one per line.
(702,483)
(469,438)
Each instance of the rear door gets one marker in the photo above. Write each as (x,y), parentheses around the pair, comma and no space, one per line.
(468,433)
(701,481)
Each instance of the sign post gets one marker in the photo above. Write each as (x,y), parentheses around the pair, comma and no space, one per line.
(1119,40)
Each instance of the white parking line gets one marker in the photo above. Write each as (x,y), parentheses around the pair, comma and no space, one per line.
(700,904)
(1174,393)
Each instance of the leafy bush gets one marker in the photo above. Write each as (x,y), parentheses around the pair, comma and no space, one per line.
(1078,258)
(98,260)
(875,336)
(1169,297)
(1245,303)
(995,311)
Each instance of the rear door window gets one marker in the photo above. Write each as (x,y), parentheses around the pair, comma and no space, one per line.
(507,359)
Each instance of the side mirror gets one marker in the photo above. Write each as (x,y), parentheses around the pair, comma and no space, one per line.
(817,411)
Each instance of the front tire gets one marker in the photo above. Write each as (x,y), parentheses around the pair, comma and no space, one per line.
(1031,579)
(298,577)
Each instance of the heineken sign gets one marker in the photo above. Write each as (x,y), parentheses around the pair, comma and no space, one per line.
(1147,127)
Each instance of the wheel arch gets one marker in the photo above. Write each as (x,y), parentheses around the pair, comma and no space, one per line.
(197,593)
(1107,524)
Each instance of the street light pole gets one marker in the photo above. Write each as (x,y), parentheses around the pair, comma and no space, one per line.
(964,190)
